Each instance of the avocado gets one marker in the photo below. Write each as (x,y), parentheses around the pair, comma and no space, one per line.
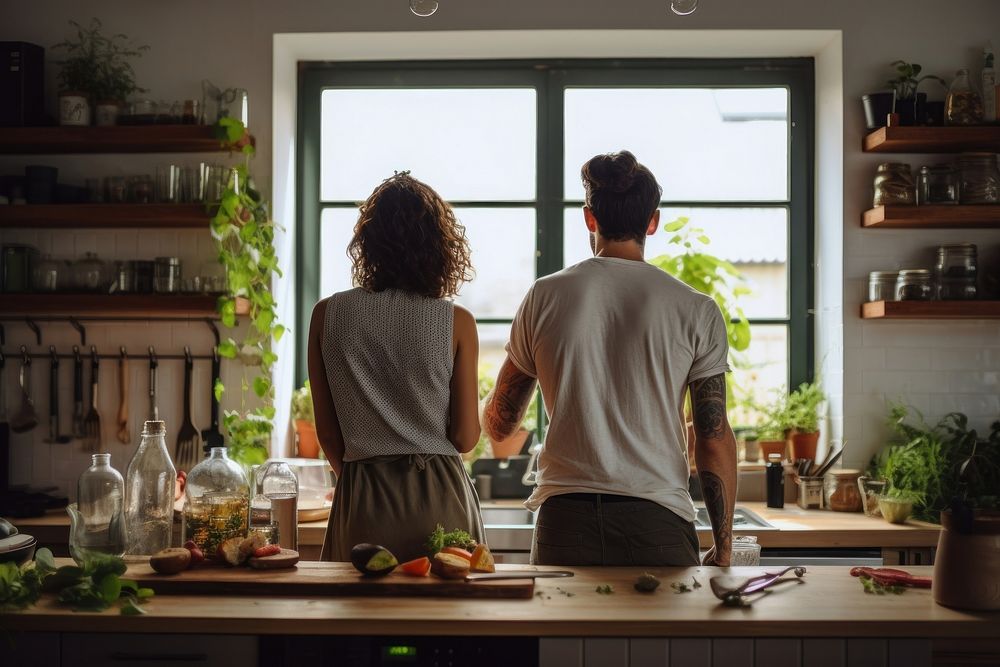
(373,560)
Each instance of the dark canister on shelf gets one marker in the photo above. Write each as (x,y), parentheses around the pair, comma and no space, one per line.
(914,285)
(142,276)
(957,272)
(894,184)
(938,184)
(775,474)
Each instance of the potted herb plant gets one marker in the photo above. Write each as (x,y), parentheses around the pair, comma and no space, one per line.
(95,72)
(305,422)
(802,410)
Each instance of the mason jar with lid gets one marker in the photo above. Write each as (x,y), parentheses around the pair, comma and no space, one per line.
(980,178)
(167,275)
(882,285)
(840,490)
(957,260)
(938,184)
(894,184)
(913,285)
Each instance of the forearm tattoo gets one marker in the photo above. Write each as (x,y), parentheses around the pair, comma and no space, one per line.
(507,403)
(719,510)
(708,402)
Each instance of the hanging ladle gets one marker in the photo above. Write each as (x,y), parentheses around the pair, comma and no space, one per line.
(733,590)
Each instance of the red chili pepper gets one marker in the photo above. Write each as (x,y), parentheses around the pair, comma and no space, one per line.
(891,577)
(267,550)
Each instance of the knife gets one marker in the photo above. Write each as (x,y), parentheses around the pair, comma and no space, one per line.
(77,393)
(518,574)
(54,436)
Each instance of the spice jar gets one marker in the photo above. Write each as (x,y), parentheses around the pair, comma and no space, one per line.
(913,285)
(90,274)
(964,105)
(980,178)
(167,275)
(882,285)
(218,502)
(937,184)
(894,184)
(840,490)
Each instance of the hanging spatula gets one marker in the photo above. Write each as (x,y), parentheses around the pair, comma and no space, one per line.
(188,450)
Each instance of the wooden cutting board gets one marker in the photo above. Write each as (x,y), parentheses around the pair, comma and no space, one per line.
(315,578)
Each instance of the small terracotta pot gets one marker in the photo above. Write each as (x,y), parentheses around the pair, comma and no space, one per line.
(768,447)
(804,445)
(308,442)
(511,446)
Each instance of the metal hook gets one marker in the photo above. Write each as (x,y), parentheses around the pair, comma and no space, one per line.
(187,356)
(79,329)
(122,352)
(215,330)
(153,363)
(53,355)
(94,359)
(76,353)
(25,357)
(34,327)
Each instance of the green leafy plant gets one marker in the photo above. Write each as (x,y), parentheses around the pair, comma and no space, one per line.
(802,407)
(938,465)
(908,79)
(302,404)
(439,539)
(98,65)
(244,235)
(709,275)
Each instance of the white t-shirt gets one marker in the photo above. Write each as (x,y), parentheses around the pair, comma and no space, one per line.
(614,344)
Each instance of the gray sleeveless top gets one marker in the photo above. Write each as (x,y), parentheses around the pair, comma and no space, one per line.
(388,360)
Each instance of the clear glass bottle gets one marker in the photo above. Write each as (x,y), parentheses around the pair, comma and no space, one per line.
(964,105)
(217,503)
(149,493)
(99,524)
(281,488)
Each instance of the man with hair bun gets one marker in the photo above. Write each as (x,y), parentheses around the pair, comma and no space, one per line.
(616,344)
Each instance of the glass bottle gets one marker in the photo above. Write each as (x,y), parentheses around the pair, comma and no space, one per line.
(99,523)
(281,488)
(964,105)
(217,503)
(149,493)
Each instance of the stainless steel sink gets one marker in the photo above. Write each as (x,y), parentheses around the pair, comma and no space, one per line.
(508,516)
(743,519)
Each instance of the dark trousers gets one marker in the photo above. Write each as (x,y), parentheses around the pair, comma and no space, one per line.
(603,529)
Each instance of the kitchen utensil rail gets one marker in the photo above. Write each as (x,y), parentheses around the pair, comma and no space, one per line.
(76,320)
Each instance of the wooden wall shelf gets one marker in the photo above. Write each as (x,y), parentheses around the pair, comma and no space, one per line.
(931,310)
(932,217)
(933,140)
(180,306)
(106,216)
(114,139)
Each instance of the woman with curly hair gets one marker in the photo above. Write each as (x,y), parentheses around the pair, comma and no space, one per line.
(393,370)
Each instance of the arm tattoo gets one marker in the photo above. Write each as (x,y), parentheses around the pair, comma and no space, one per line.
(719,510)
(507,403)
(708,402)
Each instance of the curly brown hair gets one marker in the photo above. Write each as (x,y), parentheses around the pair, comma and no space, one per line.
(408,238)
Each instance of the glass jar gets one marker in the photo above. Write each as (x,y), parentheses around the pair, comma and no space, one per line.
(745,552)
(50,275)
(894,184)
(167,275)
(90,273)
(913,285)
(980,178)
(141,189)
(964,105)
(149,493)
(217,503)
(841,492)
(957,270)
(871,491)
(938,184)
(99,522)
(281,488)
(882,285)
(142,276)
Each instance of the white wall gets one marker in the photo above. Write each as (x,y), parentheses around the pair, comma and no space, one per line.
(230,43)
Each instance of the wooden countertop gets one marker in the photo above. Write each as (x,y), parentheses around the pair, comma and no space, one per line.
(827,603)
(797,528)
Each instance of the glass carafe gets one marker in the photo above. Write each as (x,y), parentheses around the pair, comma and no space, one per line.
(964,104)
(281,488)
(217,502)
(149,493)
(97,521)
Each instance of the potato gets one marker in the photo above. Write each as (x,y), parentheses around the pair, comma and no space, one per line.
(170,561)
(449,566)
(231,552)
(253,541)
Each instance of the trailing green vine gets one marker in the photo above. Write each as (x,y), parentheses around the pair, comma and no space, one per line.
(244,235)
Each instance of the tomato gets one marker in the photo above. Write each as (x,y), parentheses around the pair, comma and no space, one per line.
(419,567)
(458,551)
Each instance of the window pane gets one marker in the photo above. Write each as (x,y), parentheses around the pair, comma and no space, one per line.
(468,144)
(492,341)
(503,256)
(702,144)
(758,371)
(755,240)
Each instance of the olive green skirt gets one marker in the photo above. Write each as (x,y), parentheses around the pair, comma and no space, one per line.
(396,501)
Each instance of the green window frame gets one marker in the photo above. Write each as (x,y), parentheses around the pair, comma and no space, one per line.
(550,78)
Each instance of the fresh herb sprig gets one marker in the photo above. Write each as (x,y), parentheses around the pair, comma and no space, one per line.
(439,539)
(873,587)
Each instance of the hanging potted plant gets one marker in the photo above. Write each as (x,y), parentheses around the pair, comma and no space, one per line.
(803,417)
(305,422)
(95,73)
(244,236)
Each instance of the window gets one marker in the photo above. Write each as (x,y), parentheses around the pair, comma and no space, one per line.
(729,141)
